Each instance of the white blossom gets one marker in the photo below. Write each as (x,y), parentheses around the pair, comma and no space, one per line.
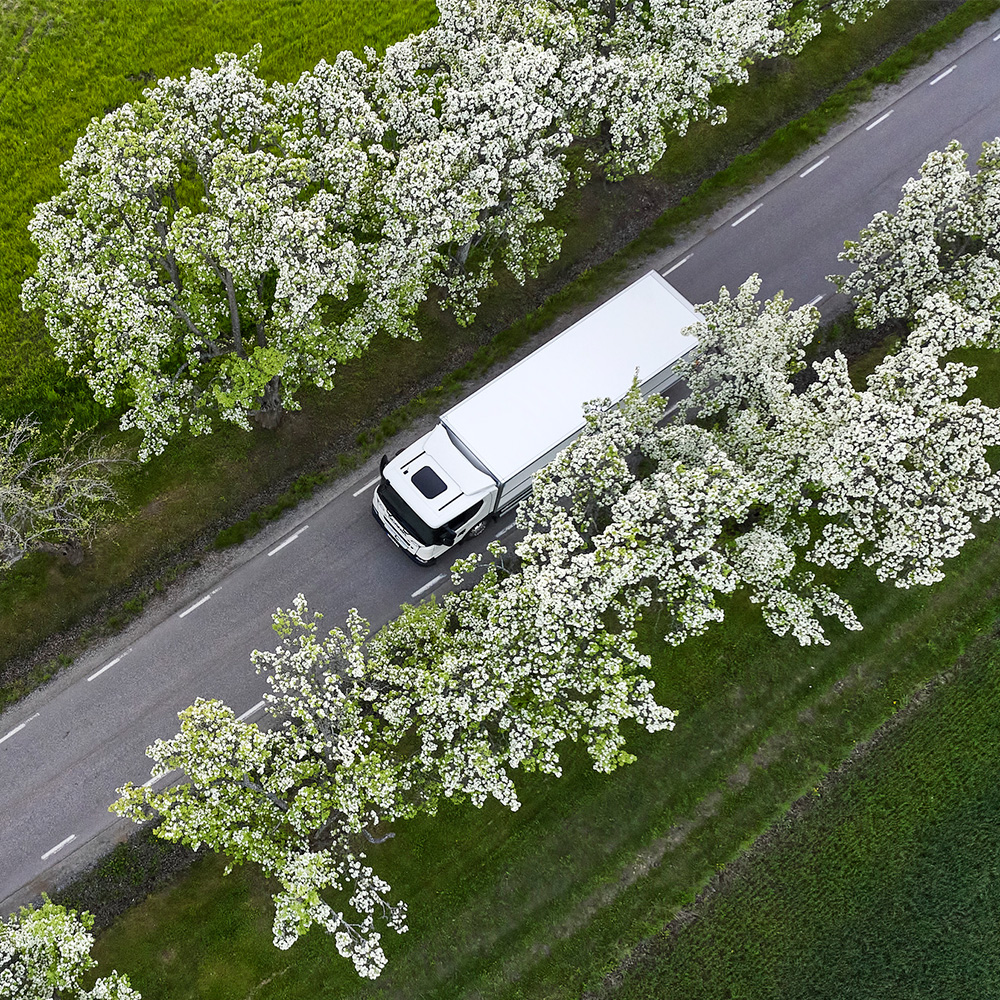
(204,254)
(943,238)
(45,955)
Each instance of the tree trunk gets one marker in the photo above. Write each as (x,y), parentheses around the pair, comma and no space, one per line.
(69,550)
(234,312)
(268,415)
(460,256)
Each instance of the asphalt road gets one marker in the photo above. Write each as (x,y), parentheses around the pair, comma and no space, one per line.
(65,749)
(791,232)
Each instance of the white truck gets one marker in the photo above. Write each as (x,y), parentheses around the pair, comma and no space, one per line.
(480,458)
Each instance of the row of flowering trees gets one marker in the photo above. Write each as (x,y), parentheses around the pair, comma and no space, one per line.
(766,477)
(222,242)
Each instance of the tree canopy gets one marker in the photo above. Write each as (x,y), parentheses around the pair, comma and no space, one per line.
(450,700)
(45,953)
(942,238)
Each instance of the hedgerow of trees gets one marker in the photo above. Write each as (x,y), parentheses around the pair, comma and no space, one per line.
(222,242)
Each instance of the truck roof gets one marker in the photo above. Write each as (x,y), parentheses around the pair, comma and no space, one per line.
(526,411)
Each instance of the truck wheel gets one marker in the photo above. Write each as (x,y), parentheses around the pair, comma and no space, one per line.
(477,529)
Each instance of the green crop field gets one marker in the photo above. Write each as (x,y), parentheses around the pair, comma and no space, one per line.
(63,62)
(888,887)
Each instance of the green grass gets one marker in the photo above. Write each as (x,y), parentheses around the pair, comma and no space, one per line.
(549,901)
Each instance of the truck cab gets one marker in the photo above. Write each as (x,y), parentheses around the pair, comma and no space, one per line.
(431,496)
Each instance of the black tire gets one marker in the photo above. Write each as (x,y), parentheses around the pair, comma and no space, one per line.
(477,529)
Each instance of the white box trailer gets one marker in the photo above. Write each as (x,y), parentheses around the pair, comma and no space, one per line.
(480,458)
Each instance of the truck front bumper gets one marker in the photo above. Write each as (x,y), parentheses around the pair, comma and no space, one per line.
(395,535)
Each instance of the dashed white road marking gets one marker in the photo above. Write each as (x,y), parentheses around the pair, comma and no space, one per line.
(250,711)
(17,729)
(62,843)
(108,666)
(428,585)
(674,267)
(942,75)
(153,781)
(503,531)
(198,604)
(746,215)
(819,298)
(879,120)
(367,486)
(287,541)
(996,38)
(818,163)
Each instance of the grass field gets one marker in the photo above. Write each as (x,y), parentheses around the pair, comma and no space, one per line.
(885,887)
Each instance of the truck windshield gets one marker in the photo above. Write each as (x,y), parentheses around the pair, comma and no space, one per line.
(403,513)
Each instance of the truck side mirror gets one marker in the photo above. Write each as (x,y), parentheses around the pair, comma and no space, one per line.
(383,464)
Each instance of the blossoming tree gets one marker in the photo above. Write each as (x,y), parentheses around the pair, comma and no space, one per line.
(653,64)
(782,475)
(671,518)
(475,114)
(204,261)
(943,237)
(275,798)
(49,499)
(891,474)
(45,953)
(455,697)
(451,700)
